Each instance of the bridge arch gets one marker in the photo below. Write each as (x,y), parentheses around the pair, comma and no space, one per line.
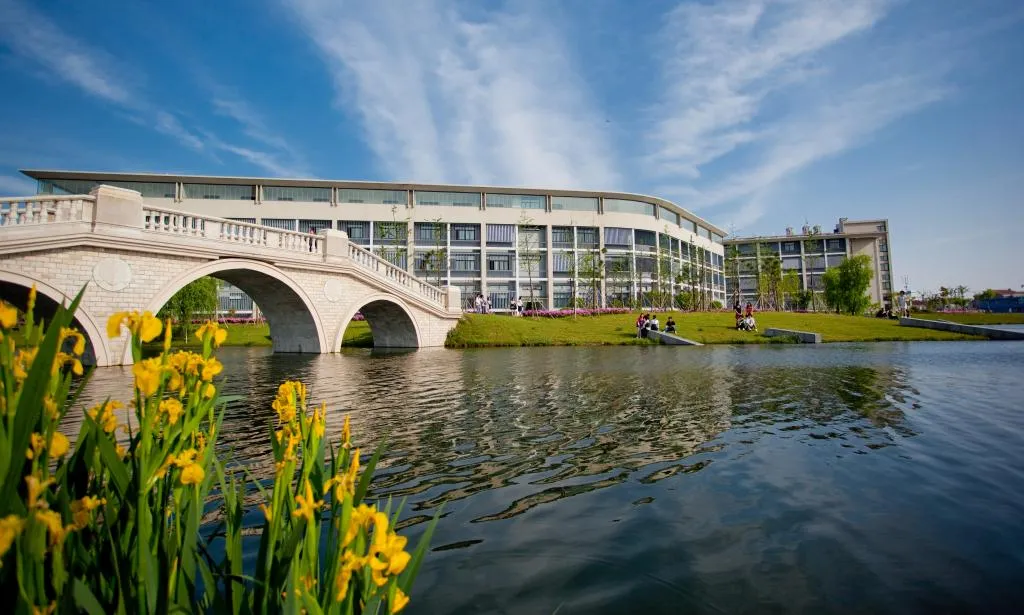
(390,319)
(295,324)
(14,288)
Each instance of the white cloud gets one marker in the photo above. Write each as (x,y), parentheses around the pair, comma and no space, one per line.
(726,63)
(443,98)
(27,33)
(169,125)
(283,161)
(33,37)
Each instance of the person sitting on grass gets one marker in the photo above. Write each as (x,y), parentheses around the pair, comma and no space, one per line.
(654,323)
(670,325)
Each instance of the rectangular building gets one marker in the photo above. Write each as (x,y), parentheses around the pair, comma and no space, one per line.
(810,253)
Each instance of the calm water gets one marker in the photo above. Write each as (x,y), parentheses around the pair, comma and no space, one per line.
(832,479)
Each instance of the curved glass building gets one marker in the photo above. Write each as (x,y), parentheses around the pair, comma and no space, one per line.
(603,248)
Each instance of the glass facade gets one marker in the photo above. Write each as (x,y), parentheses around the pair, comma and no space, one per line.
(290,193)
(574,203)
(374,197)
(623,206)
(447,199)
(152,190)
(517,201)
(232,192)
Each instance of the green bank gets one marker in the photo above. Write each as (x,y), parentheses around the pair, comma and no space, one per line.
(476,330)
(976,318)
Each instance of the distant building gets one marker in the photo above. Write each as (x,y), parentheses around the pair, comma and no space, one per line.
(1008,293)
(810,253)
(503,243)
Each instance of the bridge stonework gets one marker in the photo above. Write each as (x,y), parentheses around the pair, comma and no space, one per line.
(130,256)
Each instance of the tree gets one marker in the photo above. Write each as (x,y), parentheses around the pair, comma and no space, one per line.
(435,260)
(846,286)
(985,295)
(529,253)
(198,298)
(790,287)
(770,282)
(732,272)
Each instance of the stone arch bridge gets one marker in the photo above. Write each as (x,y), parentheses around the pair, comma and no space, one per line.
(135,257)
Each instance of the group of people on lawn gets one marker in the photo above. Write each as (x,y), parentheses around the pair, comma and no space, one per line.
(649,322)
(745,317)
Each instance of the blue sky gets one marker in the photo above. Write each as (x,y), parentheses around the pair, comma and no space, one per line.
(756,114)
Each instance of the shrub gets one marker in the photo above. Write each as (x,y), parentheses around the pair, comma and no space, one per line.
(113,523)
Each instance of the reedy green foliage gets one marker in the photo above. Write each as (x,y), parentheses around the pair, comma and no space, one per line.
(117,525)
(846,285)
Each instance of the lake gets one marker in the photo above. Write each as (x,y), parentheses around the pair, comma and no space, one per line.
(838,478)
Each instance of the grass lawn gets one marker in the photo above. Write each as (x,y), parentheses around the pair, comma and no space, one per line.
(477,330)
(974,319)
(356,335)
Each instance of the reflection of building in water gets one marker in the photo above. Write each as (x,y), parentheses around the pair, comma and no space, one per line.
(530,426)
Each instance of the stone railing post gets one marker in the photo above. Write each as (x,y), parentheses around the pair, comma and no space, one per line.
(117,206)
(453,300)
(335,243)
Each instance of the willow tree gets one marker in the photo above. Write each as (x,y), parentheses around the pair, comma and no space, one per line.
(196,299)
(846,286)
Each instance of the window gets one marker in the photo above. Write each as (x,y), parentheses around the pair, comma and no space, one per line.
(516,201)
(574,203)
(501,233)
(883,246)
(715,237)
(448,199)
(287,224)
(532,237)
(834,260)
(815,246)
(885,266)
(534,265)
(769,248)
(816,262)
(356,231)
(499,263)
(290,193)
(881,227)
(836,245)
(561,236)
(431,233)
(466,232)
(791,263)
(465,262)
(395,256)
(375,197)
(645,264)
(668,215)
(618,237)
(562,262)
(219,191)
(312,226)
(246,220)
(746,249)
(390,232)
(562,295)
(791,247)
(624,206)
(587,237)
(646,238)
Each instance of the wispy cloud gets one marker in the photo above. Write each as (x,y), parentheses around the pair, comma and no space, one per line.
(446,98)
(29,34)
(283,160)
(727,62)
(34,38)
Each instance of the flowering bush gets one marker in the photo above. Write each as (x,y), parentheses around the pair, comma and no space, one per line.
(564,313)
(112,523)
